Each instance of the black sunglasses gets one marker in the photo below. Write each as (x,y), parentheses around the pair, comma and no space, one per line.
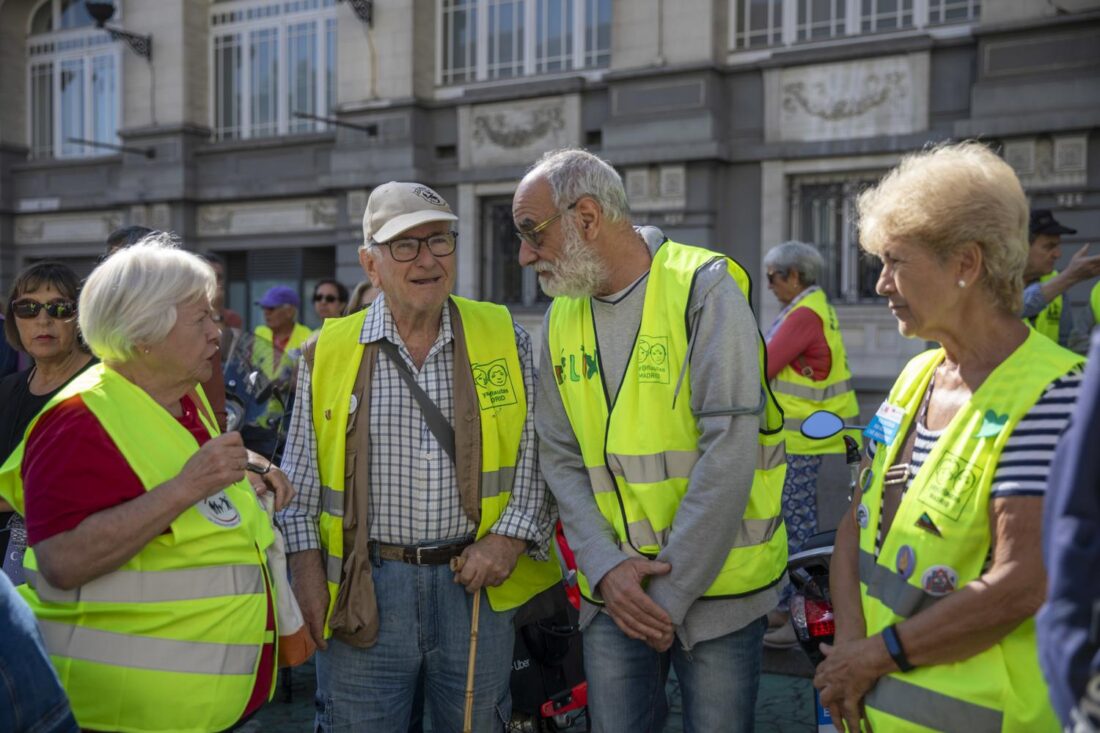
(325,298)
(62,310)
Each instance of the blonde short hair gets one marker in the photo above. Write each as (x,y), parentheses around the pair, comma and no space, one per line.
(131,298)
(949,195)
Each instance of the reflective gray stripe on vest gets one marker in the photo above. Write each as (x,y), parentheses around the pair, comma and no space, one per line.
(652,468)
(334,565)
(152,586)
(642,534)
(756,531)
(771,456)
(494,482)
(891,589)
(144,652)
(931,709)
(332,501)
(601,480)
(811,393)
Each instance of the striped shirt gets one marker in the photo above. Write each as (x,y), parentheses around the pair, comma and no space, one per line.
(414,495)
(1024,463)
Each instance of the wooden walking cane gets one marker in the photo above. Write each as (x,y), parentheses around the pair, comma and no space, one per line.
(468,712)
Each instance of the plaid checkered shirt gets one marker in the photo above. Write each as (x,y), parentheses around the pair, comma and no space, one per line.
(413,491)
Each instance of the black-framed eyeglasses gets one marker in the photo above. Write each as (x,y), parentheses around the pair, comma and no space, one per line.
(61,310)
(407,249)
(531,235)
(327,298)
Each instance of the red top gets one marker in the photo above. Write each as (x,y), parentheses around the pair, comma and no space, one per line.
(72,470)
(800,342)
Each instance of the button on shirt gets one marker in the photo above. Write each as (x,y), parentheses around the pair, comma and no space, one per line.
(414,495)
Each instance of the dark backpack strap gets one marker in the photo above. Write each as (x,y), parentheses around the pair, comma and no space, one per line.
(443,431)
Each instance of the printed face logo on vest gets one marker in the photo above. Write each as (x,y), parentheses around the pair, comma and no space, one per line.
(652,353)
(219,510)
(573,369)
(494,384)
(952,485)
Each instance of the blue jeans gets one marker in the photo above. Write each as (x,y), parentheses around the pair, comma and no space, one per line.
(719,679)
(424,632)
(31,698)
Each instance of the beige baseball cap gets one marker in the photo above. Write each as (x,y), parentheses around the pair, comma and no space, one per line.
(396,207)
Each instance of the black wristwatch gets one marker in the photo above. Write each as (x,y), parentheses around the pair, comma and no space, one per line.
(894,648)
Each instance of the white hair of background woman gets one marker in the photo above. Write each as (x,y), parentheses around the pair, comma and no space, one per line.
(573,173)
(803,258)
(130,300)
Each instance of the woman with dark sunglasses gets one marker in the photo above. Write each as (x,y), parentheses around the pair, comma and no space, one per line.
(330,297)
(39,320)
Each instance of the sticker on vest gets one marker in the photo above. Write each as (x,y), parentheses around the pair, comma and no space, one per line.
(219,510)
(992,424)
(925,522)
(906,561)
(653,367)
(863,517)
(939,580)
(885,424)
(954,481)
(494,384)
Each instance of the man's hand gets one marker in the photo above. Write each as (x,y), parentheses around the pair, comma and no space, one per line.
(1081,266)
(847,674)
(489,561)
(635,613)
(307,574)
(274,480)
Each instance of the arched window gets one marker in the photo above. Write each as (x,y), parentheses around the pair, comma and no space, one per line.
(73,82)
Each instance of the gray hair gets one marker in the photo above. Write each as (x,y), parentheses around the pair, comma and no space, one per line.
(803,258)
(131,298)
(573,173)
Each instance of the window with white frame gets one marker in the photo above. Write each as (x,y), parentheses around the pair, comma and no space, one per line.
(273,66)
(823,213)
(765,23)
(499,39)
(72,82)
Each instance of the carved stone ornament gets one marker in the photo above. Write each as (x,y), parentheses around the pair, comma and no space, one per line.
(215,219)
(28,230)
(517,128)
(323,212)
(877,90)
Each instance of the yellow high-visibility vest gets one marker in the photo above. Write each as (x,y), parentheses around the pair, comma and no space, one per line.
(263,349)
(498,379)
(1048,319)
(172,640)
(639,450)
(1002,688)
(800,395)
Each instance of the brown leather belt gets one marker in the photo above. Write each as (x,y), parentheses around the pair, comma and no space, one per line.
(420,554)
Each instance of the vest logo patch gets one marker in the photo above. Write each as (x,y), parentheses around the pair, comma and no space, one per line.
(652,352)
(219,510)
(574,369)
(494,385)
(952,486)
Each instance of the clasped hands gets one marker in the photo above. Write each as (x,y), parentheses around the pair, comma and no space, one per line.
(630,607)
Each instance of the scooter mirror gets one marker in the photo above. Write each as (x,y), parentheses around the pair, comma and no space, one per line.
(822,424)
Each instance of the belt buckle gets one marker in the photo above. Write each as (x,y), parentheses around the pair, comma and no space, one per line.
(420,549)
(897,474)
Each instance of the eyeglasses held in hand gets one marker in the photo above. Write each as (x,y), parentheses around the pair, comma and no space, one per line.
(62,310)
(325,298)
(407,249)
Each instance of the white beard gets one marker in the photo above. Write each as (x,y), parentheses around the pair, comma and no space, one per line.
(578,272)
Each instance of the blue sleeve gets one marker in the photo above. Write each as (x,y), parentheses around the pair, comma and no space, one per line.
(1034,302)
(1069,637)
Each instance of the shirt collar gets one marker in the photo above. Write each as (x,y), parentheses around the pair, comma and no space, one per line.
(379,324)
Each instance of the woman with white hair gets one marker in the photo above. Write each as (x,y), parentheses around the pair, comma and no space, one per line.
(808,371)
(147,568)
(937,570)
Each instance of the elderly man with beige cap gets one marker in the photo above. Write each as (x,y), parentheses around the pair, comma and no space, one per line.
(423,402)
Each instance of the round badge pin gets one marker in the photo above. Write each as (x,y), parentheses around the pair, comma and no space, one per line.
(939,580)
(866,476)
(906,561)
(353,404)
(863,516)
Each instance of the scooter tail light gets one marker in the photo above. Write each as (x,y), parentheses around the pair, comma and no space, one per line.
(819,618)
